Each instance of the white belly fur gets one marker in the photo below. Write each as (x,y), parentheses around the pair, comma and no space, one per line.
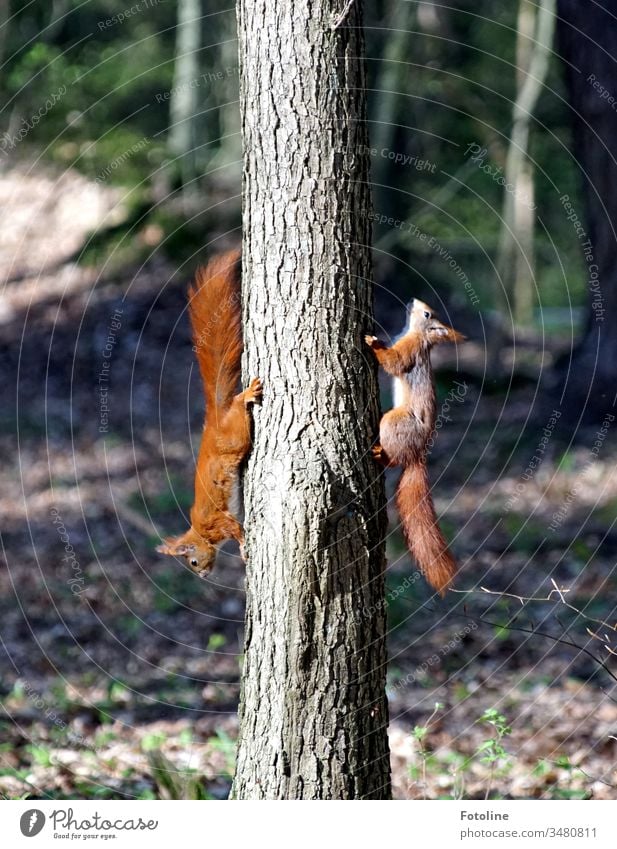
(398,391)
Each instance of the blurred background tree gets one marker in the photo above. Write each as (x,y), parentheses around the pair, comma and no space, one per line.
(442,78)
(120,171)
(588,45)
(515,260)
(184,103)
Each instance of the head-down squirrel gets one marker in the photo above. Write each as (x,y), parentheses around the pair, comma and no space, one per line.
(215,313)
(404,432)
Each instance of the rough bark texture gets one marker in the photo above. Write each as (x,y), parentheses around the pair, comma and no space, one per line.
(587,39)
(313,708)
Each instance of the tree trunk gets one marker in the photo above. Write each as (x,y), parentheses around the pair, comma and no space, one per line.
(4,26)
(184,98)
(390,92)
(588,44)
(515,261)
(313,713)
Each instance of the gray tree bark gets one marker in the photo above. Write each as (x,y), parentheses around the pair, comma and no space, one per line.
(313,714)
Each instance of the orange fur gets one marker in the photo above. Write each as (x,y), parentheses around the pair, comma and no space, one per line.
(422,533)
(215,313)
(404,432)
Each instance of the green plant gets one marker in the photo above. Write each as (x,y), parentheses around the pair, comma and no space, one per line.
(419,734)
(172,783)
(153,742)
(216,641)
(492,750)
(223,743)
(40,755)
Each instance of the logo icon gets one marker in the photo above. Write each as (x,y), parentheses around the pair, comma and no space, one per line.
(32,822)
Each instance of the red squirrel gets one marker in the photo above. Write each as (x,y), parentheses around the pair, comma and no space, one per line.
(215,313)
(404,432)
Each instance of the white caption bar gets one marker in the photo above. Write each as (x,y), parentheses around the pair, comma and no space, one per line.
(240,825)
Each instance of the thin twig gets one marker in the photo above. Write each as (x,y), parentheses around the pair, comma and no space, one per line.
(559,591)
(537,633)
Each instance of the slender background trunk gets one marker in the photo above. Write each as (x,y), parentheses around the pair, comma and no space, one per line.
(390,102)
(4,26)
(313,709)
(183,106)
(515,261)
(588,43)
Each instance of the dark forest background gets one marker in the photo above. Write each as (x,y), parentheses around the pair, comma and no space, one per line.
(493,131)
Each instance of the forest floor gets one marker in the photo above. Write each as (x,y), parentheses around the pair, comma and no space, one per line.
(120,668)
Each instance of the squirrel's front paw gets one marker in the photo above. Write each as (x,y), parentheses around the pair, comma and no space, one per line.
(254,391)
(379,455)
(370,340)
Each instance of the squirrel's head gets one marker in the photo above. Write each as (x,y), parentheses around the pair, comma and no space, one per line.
(198,553)
(422,320)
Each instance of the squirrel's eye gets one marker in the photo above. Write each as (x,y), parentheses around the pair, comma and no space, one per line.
(193,561)
(427,314)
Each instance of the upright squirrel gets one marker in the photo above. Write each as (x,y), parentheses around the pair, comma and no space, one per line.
(404,433)
(215,313)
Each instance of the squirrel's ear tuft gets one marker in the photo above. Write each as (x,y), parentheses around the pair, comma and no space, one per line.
(455,336)
(443,333)
(173,547)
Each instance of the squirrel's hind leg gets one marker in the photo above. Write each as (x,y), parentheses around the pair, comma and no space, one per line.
(234,429)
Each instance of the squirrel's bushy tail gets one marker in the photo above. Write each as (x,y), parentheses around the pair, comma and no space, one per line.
(422,533)
(216,319)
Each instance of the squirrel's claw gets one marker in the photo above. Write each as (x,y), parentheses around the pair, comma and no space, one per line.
(254,391)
